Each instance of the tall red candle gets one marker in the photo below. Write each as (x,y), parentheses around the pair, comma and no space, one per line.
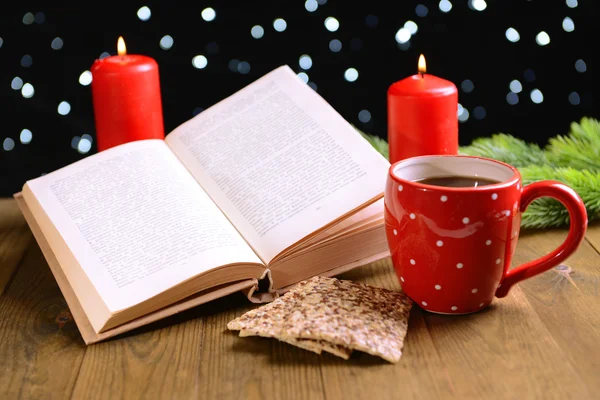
(127,99)
(422,116)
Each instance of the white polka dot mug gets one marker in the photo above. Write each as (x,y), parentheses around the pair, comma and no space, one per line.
(452,246)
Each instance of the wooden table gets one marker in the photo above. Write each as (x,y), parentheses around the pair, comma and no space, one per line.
(542,341)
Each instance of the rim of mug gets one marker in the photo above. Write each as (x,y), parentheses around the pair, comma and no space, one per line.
(516,176)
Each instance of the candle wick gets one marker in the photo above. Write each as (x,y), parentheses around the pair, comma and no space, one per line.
(422,75)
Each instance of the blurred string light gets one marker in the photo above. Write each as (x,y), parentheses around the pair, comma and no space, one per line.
(335,45)
(64,108)
(305,61)
(84,144)
(26,61)
(512,35)
(403,35)
(421,10)
(85,78)
(212,48)
(303,76)
(25,136)
(144,13)
(28,18)
(542,38)
(311,5)
(313,86)
(257,31)
(351,74)
(209,14)
(568,24)
(371,21)
(467,86)
(104,55)
(478,5)
(322,2)
(39,17)
(1,42)
(332,24)
(279,24)
(233,64)
(27,90)
(512,98)
(479,112)
(574,98)
(8,144)
(536,96)
(572,3)
(463,113)
(57,43)
(529,75)
(411,26)
(445,6)
(515,86)
(580,66)
(199,61)
(243,67)
(16,83)
(166,42)
(364,116)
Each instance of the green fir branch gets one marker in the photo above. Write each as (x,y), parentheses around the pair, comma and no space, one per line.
(579,149)
(547,212)
(506,148)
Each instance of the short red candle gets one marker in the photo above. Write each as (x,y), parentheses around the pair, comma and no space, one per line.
(422,116)
(127,99)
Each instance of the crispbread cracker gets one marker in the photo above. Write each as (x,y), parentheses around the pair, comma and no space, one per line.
(354,315)
(261,322)
(316,346)
(341,313)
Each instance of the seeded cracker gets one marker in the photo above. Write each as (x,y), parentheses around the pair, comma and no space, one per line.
(343,313)
(316,346)
(268,321)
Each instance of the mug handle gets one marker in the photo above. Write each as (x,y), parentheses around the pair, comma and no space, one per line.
(577,228)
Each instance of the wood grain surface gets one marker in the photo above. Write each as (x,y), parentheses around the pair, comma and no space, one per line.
(540,342)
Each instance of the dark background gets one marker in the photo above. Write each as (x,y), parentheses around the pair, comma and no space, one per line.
(462,44)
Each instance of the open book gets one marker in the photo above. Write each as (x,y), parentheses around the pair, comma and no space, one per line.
(266,188)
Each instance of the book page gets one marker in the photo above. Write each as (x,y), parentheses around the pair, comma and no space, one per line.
(279,161)
(137,222)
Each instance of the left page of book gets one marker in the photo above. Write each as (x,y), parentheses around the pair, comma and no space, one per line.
(136,221)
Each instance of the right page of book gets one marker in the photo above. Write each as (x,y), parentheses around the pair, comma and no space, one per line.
(279,161)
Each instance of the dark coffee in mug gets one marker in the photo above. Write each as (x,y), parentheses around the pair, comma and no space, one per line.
(458,181)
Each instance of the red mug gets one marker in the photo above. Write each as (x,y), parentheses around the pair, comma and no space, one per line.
(452,247)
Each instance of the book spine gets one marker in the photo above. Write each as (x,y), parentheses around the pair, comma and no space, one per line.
(262,291)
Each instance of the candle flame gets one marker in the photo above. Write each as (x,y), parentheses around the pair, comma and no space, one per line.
(121,49)
(422,64)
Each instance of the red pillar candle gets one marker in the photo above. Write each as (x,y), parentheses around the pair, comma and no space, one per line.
(422,116)
(126,97)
